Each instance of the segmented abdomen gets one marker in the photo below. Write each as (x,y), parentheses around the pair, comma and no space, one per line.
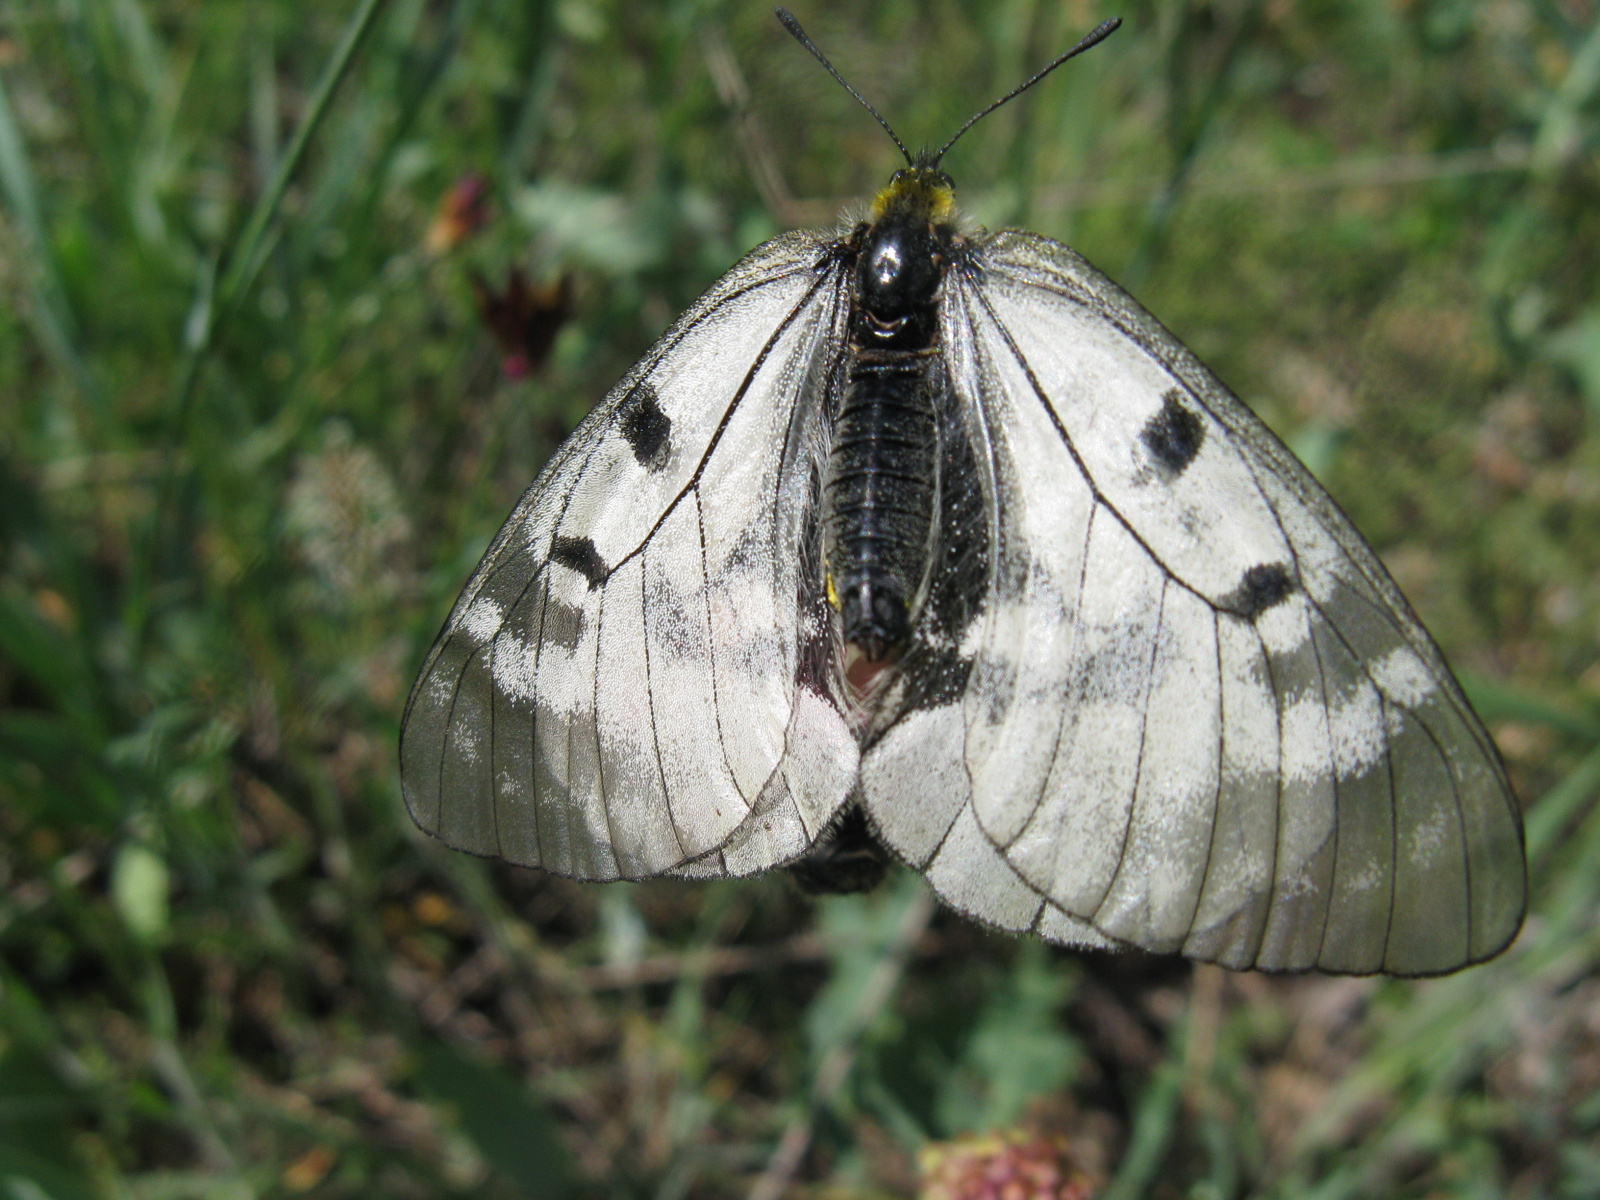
(880,494)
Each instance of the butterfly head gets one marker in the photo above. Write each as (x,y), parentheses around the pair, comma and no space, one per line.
(916,193)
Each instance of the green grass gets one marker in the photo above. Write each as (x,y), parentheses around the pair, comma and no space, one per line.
(254,434)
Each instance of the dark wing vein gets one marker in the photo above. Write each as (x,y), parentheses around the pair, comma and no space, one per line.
(1394,825)
(711,649)
(1277,803)
(594,704)
(650,702)
(1216,795)
(494,775)
(1138,765)
(1461,824)
(1334,777)
(533,722)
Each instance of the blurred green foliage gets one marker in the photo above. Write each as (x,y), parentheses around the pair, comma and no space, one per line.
(254,434)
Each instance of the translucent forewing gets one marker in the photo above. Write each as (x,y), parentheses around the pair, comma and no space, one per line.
(618,691)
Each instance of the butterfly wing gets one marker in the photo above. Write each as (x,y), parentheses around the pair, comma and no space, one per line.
(629,683)
(1198,715)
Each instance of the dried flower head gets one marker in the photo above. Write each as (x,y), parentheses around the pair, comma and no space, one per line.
(1013,1165)
(462,211)
(523,318)
(344,512)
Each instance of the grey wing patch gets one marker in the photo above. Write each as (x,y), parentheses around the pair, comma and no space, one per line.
(617,692)
(1241,860)
(1199,717)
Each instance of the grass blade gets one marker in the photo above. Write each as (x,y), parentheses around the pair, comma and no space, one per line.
(1557,807)
(57,326)
(505,1121)
(1497,702)
(215,300)
(249,252)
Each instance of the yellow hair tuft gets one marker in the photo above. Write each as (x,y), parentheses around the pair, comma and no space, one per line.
(915,192)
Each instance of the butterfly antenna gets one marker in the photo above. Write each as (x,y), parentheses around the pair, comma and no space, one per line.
(793,26)
(1099,34)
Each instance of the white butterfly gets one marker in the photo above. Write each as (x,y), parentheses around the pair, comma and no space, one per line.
(939,544)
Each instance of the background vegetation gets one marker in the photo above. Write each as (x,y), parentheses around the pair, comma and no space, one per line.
(255,431)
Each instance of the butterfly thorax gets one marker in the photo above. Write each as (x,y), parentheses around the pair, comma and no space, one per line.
(882,487)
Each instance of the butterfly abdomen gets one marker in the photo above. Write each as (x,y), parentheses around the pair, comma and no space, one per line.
(880,496)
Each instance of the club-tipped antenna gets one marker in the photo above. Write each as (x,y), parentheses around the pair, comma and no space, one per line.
(1099,34)
(799,35)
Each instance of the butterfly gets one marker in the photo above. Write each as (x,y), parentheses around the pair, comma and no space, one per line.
(926,543)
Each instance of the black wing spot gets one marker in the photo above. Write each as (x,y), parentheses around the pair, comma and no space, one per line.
(646,427)
(1174,435)
(1263,586)
(580,555)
